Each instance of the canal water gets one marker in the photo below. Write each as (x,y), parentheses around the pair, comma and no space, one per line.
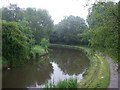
(59,64)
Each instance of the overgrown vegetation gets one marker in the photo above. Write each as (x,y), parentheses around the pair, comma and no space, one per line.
(101,33)
(41,49)
(37,51)
(67,83)
(25,34)
(103,23)
(98,74)
(15,46)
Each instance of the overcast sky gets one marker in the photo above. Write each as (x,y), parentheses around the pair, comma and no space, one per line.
(57,8)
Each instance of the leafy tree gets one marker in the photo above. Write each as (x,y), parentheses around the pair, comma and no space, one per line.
(27,31)
(40,22)
(68,30)
(103,24)
(26,27)
(54,37)
(14,44)
(12,13)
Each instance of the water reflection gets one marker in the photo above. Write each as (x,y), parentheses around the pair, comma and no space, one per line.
(70,61)
(33,72)
(58,74)
(59,65)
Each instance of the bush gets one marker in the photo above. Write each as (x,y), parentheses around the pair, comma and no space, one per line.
(14,44)
(67,83)
(37,51)
(45,44)
(41,49)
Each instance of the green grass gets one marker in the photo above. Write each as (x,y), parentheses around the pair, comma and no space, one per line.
(98,74)
(67,83)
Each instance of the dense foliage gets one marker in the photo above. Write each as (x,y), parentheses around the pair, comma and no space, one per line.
(41,49)
(68,30)
(103,28)
(25,29)
(15,45)
(22,31)
(38,20)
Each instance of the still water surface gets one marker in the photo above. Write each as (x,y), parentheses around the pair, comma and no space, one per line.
(60,64)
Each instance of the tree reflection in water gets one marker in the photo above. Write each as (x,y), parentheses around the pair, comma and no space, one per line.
(60,64)
(35,71)
(70,61)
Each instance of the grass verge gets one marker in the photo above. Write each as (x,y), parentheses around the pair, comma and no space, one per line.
(98,74)
(67,83)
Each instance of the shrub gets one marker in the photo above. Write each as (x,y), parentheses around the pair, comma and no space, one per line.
(45,44)
(14,44)
(37,51)
(67,83)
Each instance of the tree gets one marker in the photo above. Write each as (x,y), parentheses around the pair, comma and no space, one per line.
(27,31)
(103,24)
(14,44)
(68,30)
(40,22)
(12,13)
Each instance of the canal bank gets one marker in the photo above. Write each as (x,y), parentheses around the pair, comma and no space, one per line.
(57,66)
(98,74)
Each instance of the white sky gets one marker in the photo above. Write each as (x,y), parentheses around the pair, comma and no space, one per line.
(57,8)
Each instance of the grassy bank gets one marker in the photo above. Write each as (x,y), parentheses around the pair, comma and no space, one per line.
(98,74)
(36,51)
(67,83)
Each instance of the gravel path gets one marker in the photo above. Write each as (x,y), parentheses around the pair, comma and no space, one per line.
(113,73)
